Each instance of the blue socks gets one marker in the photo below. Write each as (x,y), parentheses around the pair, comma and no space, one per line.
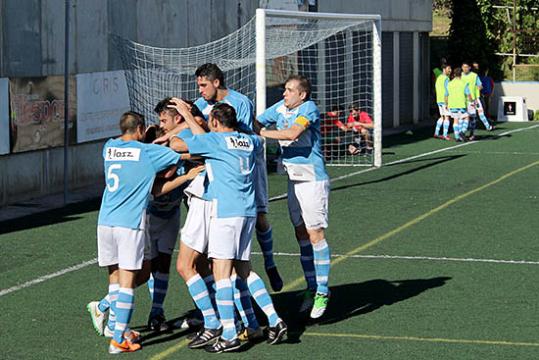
(242,300)
(262,298)
(306,251)
(438,126)
(200,294)
(446,127)
(322,265)
(265,240)
(113,297)
(124,310)
(224,297)
(160,287)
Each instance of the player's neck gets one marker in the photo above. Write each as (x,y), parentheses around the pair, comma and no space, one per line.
(221,94)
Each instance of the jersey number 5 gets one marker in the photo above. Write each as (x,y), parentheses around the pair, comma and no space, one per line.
(112,176)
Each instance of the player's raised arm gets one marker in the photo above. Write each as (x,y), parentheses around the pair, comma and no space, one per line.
(185,110)
(163,187)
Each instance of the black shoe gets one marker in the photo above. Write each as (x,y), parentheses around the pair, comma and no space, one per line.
(276,333)
(223,345)
(158,323)
(205,337)
(275,279)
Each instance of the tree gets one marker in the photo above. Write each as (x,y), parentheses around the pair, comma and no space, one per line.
(468,36)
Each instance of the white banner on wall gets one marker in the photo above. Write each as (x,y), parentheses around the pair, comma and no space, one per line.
(101,99)
(4,116)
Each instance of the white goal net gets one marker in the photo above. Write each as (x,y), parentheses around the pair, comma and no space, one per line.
(338,53)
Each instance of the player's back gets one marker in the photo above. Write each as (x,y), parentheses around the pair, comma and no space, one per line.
(130,168)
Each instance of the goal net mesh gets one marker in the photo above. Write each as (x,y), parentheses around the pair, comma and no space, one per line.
(335,54)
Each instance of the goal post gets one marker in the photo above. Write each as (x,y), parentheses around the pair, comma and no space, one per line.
(340,54)
(344,27)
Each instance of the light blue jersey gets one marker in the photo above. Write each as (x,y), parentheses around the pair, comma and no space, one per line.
(241,103)
(130,169)
(230,161)
(303,157)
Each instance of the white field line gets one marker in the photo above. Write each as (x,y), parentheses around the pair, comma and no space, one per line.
(422,258)
(47,277)
(494,152)
(282,196)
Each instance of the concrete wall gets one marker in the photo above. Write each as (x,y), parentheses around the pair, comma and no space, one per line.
(32,44)
(24,176)
(527,89)
(397,15)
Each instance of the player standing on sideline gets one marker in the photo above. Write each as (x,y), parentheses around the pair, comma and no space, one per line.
(456,95)
(212,88)
(130,170)
(230,160)
(475,86)
(441,90)
(298,130)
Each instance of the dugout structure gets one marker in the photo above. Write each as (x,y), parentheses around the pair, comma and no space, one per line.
(339,53)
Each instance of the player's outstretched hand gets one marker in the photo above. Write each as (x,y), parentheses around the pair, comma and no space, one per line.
(191,174)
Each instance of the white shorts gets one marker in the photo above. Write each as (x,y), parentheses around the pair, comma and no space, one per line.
(442,109)
(121,246)
(230,238)
(196,229)
(163,234)
(260,182)
(459,114)
(308,203)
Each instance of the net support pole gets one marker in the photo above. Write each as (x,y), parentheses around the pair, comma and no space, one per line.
(377,90)
(260,61)
(66,102)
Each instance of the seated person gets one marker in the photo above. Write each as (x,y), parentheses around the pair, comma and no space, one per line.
(362,125)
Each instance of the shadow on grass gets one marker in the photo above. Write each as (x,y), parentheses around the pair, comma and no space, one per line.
(49,217)
(349,300)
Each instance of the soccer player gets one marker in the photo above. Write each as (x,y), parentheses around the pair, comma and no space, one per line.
(164,225)
(130,170)
(475,86)
(230,160)
(441,89)
(212,88)
(297,119)
(458,92)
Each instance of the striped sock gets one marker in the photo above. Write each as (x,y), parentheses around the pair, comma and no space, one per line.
(124,309)
(456,129)
(199,292)
(306,251)
(113,297)
(446,127)
(265,240)
(210,285)
(160,287)
(463,126)
(224,297)
(104,304)
(484,120)
(439,123)
(262,298)
(151,285)
(242,300)
(322,265)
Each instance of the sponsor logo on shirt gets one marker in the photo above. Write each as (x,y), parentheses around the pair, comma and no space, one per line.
(122,154)
(238,143)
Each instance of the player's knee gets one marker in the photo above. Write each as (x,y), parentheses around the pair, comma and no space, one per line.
(301,232)
(262,224)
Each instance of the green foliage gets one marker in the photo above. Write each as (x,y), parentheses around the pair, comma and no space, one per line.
(468,37)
